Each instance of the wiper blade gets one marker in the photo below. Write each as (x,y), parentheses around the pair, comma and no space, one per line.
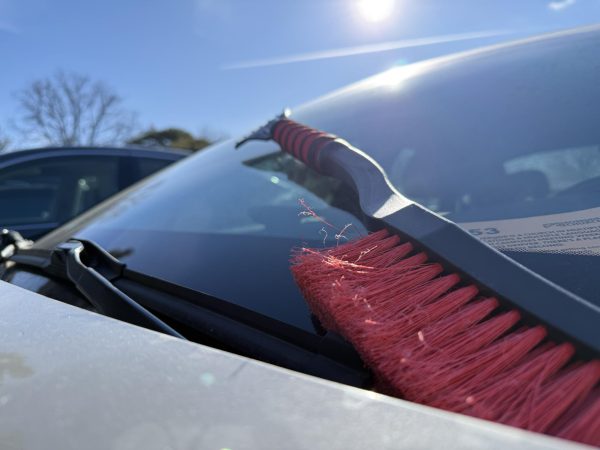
(235,328)
(91,270)
(106,283)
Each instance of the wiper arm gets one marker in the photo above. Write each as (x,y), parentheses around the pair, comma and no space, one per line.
(10,242)
(91,270)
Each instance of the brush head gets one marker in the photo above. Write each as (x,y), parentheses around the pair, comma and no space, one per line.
(430,336)
(439,331)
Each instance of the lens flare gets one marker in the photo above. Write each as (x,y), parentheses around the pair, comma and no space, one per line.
(375,10)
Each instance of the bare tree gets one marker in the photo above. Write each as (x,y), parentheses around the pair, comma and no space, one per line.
(71,109)
(4,142)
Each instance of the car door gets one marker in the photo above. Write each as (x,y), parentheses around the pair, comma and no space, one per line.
(38,195)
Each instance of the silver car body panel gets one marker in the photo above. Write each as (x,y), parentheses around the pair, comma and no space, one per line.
(71,379)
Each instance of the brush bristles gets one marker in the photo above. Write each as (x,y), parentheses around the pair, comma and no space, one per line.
(432,339)
(584,423)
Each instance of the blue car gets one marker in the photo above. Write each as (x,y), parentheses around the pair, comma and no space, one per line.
(43,188)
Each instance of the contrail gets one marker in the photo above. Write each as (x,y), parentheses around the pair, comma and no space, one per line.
(363,49)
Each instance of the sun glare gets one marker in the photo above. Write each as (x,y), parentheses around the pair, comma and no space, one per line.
(375,10)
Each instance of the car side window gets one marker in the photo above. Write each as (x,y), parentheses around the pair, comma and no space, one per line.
(53,190)
(147,166)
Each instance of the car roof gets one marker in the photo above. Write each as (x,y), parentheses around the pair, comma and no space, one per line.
(139,152)
(75,379)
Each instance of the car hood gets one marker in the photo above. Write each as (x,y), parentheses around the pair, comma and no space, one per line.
(72,379)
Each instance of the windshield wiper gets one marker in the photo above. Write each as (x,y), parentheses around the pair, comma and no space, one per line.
(93,280)
(108,284)
(10,242)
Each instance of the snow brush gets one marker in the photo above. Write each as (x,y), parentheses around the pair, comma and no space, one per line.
(440,317)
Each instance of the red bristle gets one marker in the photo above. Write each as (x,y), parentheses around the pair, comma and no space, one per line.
(400,304)
(315,269)
(380,285)
(345,300)
(355,252)
(511,389)
(326,294)
(366,254)
(481,366)
(373,257)
(433,343)
(408,289)
(386,259)
(584,425)
(396,320)
(378,337)
(556,396)
(411,366)
(475,337)
(424,342)
(352,250)
(445,371)
(360,274)
(398,266)
(522,413)
(439,333)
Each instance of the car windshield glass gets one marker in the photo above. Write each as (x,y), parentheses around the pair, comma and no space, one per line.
(225,223)
(503,136)
(505,143)
(511,134)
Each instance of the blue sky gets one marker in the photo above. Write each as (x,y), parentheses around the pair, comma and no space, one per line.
(172,60)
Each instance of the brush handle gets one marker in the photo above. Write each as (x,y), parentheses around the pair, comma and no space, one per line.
(334,157)
(567,316)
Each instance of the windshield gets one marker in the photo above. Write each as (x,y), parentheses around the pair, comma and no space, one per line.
(224,223)
(506,135)
(511,133)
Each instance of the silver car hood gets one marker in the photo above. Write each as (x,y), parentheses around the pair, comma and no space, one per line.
(71,379)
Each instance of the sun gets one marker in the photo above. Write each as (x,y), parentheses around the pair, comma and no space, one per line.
(375,10)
